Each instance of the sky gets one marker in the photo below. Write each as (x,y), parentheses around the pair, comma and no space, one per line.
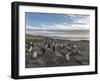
(67,26)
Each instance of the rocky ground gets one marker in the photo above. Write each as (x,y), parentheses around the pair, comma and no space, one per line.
(56,52)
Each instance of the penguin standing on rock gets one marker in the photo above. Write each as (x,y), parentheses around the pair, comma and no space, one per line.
(67,57)
(35,54)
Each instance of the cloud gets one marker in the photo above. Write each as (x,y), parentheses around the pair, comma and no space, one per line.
(76,18)
(63,26)
(75,22)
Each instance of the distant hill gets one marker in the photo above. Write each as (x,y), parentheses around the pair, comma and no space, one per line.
(33,37)
(29,36)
